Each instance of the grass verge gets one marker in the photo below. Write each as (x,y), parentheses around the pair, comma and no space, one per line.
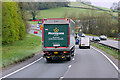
(107,50)
(20,50)
(33,22)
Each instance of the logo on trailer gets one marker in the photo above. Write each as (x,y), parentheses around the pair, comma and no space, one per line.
(56,30)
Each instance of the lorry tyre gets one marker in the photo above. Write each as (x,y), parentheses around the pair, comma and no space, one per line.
(69,58)
(48,59)
(73,54)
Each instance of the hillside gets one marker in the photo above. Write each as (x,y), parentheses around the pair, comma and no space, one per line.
(62,11)
(75,8)
(81,4)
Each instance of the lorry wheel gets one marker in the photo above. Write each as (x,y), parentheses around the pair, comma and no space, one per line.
(69,58)
(73,54)
(48,59)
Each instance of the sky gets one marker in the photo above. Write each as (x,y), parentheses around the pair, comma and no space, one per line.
(102,3)
(105,3)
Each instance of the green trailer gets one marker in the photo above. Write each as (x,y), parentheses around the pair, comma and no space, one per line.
(58,38)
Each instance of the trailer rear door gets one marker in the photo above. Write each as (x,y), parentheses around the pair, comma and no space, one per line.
(56,35)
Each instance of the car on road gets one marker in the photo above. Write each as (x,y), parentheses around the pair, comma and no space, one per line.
(84,42)
(77,41)
(103,37)
(96,39)
(35,32)
(83,35)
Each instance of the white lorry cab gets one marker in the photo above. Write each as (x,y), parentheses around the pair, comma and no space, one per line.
(84,42)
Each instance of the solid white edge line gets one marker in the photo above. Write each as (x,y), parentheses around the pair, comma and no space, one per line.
(21,68)
(116,67)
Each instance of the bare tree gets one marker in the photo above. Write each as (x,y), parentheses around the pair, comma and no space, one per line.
(34,9)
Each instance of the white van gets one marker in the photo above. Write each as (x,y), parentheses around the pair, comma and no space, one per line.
(84,42)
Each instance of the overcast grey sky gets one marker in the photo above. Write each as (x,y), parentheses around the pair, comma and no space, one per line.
(104,3)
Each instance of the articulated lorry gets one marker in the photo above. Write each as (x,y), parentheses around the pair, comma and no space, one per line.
(58,38)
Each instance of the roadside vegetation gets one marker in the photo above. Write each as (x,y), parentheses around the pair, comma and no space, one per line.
(13,23)
(93,21)
(21,50)
(107,50)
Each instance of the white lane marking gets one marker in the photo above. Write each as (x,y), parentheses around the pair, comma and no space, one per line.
(73,59)
(21,68)
(69,66)
(61,78)
(116,67)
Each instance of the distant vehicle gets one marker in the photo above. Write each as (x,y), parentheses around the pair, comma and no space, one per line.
(83,35)
(35,32)
(95,39)
(77,41)
(103,37)
(58,38)
(84,42)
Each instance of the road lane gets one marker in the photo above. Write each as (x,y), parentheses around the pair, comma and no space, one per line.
(43,69)
(109,42)
(87,63)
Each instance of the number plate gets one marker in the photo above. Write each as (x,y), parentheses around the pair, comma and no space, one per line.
(83,44)
(55,52)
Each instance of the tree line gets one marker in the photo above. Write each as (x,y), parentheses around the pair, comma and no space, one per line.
(43,5)
(35,7)
(13,22)
(97,23)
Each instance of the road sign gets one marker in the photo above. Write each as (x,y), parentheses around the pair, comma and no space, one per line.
(41,27)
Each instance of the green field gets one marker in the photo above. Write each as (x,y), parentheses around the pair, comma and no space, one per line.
(33,22)
(79,4)
(20,50)
(61,11)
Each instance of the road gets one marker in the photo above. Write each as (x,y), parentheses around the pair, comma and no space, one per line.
(87,63)
(109,42)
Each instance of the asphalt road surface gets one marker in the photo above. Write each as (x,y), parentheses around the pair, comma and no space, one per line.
(87,63)
(112,43)
(109,42)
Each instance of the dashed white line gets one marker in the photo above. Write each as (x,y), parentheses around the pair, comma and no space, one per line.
(69,66)
(65,72)
(73,59)
(116,67)
(21,68)
(61,78)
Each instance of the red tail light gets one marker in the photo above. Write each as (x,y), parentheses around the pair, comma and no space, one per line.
(65,51)
(46,52)
(35,32)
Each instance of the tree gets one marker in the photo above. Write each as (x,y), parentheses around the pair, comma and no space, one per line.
(33,8)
